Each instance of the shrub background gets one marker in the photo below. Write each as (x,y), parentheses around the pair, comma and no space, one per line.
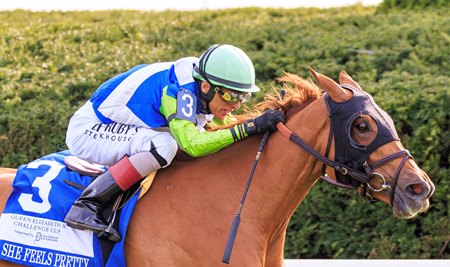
(50,63)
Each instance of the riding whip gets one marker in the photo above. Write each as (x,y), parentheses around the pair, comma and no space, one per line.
(237,217)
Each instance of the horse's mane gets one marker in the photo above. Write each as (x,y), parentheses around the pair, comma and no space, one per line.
(298,93)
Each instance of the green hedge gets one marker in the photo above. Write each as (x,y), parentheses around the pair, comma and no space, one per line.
(50,63)
(412,4)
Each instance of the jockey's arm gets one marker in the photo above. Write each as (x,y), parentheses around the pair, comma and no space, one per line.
(194,142)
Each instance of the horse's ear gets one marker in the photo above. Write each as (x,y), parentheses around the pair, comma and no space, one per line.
(334,90)
(344,78)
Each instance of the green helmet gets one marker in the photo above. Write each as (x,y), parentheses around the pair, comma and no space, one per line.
(227,66)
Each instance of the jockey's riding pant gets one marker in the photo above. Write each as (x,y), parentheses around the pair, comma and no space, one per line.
(94,141)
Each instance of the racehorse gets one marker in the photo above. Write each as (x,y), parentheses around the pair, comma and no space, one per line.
(184,219)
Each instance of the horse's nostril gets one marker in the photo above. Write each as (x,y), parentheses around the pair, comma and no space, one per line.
(417,188)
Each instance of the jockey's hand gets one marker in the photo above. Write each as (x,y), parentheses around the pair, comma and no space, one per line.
(265,122)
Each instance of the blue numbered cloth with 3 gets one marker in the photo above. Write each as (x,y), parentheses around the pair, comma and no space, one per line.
(32,228)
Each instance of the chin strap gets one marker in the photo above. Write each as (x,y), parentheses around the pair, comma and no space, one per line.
(201,70)
(207,97)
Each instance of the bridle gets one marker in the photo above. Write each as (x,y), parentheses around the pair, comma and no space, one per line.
(360,176)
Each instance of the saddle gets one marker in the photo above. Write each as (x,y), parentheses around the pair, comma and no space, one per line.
(84,167)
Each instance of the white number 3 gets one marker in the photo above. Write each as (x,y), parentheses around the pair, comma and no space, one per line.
(43,185)
(189,105)
(186,105)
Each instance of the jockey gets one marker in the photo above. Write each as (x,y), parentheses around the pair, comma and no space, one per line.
(136,121)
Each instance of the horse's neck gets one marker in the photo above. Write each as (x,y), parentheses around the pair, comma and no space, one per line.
(211,187)
(286,172)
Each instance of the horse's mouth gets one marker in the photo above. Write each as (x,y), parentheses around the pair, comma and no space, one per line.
(406,208)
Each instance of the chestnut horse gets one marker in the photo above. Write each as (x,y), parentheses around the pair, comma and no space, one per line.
(185,217)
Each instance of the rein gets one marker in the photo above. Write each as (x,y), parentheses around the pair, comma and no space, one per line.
(362,178)
(237,217)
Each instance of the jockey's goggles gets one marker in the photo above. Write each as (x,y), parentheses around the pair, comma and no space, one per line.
(232,97)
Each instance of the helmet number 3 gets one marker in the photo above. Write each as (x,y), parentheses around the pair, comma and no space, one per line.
(42,183)
(186,105)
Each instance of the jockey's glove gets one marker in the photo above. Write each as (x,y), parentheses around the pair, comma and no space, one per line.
(265,122)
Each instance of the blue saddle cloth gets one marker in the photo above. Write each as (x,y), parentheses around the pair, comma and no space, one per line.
(32,228)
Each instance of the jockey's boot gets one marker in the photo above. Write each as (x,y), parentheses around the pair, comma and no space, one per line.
(86,212)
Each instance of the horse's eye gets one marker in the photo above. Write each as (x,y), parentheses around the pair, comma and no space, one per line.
(362,127)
